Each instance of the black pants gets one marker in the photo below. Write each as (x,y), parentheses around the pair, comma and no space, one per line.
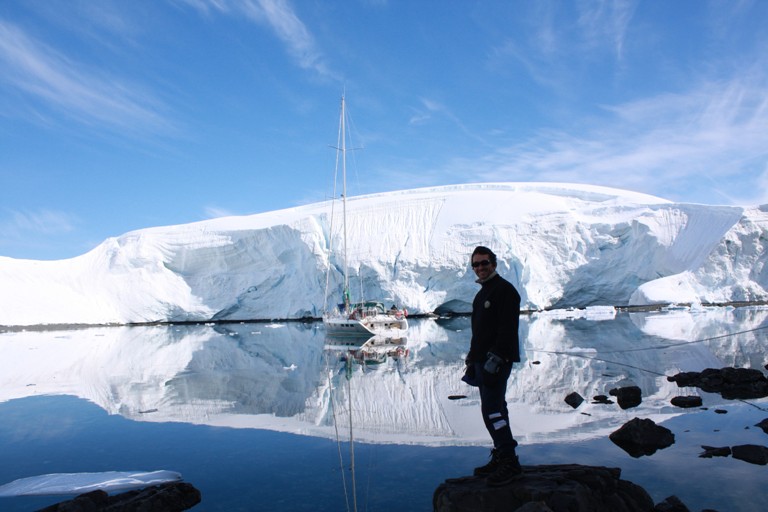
(493,405)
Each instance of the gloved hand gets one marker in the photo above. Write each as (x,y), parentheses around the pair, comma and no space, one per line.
(469,374)
(491,369)
(493,363)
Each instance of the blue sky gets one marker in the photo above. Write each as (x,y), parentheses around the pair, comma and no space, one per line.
(120,115)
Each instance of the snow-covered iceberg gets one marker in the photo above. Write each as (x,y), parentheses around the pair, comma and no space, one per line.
(564,245)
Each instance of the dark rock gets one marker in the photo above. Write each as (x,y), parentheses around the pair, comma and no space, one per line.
(627,396)
(712,451)
(721,411)
(686,401)
(763,425)
(534,506)
(574,399)
(640,437)
(555,488)
(602,399)
(731,383)
(170,497)
(685,379)
(671,504)
(93,501)
(752,453)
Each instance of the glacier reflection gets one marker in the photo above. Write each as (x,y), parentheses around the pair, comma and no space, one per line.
(290,378)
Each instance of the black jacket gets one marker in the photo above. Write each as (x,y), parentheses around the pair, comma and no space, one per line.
(495,321)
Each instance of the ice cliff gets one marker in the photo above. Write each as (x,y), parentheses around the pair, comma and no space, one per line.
(563,245)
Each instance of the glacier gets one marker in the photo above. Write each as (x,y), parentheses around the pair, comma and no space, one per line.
(563,245)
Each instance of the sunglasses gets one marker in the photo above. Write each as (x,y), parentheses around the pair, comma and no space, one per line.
(482,263)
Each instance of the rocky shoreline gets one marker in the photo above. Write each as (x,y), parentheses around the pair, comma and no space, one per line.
(578,488)
(555,488)
(170,497)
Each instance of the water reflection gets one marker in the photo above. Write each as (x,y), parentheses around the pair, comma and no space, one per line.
(291,378)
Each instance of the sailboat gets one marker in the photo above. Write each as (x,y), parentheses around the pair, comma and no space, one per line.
(362,318)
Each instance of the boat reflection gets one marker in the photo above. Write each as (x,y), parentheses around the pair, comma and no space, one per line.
(373,351)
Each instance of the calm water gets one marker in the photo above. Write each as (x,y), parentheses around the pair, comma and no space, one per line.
(257,416)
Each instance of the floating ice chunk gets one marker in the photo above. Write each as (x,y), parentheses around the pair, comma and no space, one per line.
(80,483)
(601,312)
(563,314)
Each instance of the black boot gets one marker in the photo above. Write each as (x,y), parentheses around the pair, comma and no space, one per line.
(507,469)
(489,468)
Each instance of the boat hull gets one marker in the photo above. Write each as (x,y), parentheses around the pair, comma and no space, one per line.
(388,325)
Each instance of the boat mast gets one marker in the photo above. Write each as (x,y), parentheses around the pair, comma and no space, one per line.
(343,136)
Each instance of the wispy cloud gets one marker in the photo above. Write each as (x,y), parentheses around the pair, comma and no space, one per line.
(47,222)
(43,232)
(599,26)
(425,111)
(289,29)
(604,23)
(706,138)
(281,18)
(214,212)
(710,143)
(53,79)
(552,43)
(430,109)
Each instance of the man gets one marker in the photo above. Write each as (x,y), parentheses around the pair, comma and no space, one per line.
(494,347)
